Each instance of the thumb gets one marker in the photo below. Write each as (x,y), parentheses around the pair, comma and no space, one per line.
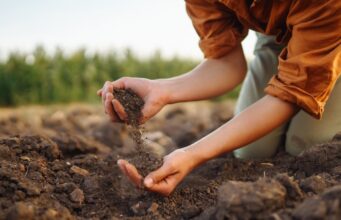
(158,175)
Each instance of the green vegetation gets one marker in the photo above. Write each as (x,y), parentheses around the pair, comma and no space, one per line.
(40,78)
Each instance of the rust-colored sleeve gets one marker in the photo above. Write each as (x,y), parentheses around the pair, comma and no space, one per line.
(218,28)
(311,63)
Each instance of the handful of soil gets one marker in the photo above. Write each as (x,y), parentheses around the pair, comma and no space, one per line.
(144,161)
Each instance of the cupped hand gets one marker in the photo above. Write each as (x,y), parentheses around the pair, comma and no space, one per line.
(164,180)
(151,91)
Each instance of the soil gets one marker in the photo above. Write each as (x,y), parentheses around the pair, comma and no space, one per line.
(42,178)
(145,161)
(131,103)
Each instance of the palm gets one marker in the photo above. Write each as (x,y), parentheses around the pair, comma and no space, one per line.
(148,90)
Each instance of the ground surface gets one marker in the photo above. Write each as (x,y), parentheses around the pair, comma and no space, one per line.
(61,164)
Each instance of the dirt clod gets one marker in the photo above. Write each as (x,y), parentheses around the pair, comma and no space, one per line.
(235,199)
(77,195)
(153,208)
(79,171)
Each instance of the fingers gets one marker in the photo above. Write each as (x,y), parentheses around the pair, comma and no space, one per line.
(107,88)
(158,175)
(166,183)
(119,110)
(165,186)
(109,109)
(121,165)
(131,172)
(114,109)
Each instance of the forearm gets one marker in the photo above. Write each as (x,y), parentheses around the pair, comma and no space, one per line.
(251,124)
(210,78)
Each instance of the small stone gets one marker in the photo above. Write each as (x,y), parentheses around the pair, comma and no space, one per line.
(267,164)
(68,163)
(77,195)
(65,187)
(139,208)
(25,158)
(22,167)
(80,171)
(153,207)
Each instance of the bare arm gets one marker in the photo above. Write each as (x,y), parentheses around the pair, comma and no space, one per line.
(210,78)
(253,123)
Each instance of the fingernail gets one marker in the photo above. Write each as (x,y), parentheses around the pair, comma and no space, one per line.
(148,182)
(119,162)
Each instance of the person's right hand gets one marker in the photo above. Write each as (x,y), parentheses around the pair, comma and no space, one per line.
(151,91)
(164,180)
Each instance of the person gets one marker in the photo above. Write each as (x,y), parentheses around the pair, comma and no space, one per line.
(297,61)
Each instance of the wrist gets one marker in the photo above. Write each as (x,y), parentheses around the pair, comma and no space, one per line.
(167,90)
(196,157)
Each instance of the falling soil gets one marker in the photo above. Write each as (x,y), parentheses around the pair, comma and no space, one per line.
(132,104)
(145,161)
(41,178)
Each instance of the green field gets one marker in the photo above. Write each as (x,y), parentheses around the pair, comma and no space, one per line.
(42,78)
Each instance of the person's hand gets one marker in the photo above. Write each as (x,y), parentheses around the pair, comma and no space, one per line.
(164,180)
(151,91)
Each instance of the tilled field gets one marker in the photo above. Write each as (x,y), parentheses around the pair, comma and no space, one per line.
(62,165)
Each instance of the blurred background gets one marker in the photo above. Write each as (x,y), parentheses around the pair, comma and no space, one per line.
(63,51)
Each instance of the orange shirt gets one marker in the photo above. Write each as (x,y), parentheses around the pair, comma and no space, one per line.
(311,30)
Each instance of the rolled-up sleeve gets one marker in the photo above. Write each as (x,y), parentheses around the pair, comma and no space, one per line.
(217,26)
(311,63)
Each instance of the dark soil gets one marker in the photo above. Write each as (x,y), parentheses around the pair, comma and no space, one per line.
(144,161)
(131,103)
(41,178)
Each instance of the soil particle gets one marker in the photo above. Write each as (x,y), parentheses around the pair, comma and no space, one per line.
(139,208)
(79,171)
(65,187)
(153,208)
(77,195)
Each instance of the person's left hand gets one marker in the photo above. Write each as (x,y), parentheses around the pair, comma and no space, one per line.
(164,180)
